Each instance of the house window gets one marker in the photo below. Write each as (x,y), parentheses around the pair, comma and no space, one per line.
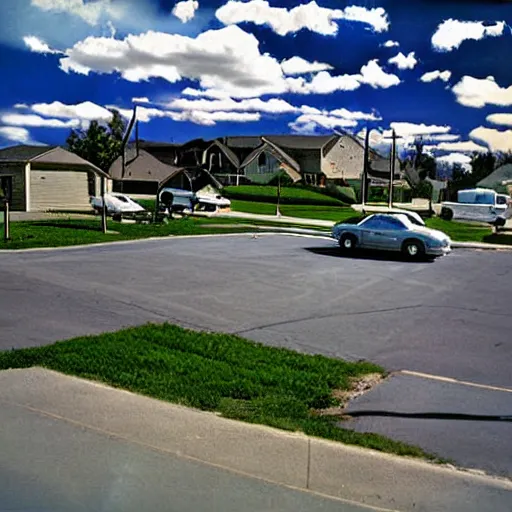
(311,179)
(6,187)
(262,159)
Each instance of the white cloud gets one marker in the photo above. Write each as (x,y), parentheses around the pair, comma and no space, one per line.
(436,75)
(416,130)
(462,147)
(16,134)
(86,111)
(299,66)
(323,83)
(271,106)
(185,10)
(448,137)
(36,45)
(452,33)
(90,12)
(454,158)
(391,44)
(38,121)
(211,118)
(496,140)
(502,119)
(404,62)
(141,100)
(372,74)
(312,119)
(21,105)
(306,16)
(477,93)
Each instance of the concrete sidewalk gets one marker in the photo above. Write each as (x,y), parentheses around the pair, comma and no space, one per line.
(289,459)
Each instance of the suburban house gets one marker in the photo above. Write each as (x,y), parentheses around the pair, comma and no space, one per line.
(496,179)
(316,160)
(43,178)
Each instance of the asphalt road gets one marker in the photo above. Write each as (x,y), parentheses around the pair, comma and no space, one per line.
(51,465)
(449,318)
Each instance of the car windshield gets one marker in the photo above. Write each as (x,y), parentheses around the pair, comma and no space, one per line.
(386,222)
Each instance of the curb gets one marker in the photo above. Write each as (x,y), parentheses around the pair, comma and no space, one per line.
(294,460)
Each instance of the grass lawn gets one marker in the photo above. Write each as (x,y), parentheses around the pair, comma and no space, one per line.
(290,195)
(65,232)
(467,232)
(332,213)
(215,372)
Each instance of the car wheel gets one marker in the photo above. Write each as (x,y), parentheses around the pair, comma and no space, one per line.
(348,242)
(413,249)
(446,213)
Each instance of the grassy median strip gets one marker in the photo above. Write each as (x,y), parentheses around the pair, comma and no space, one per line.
(216,372)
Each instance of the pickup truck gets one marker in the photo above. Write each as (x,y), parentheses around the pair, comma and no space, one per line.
(479,204)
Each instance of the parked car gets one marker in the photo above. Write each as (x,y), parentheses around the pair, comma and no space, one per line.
(479,204)
(118,205)
(392,232)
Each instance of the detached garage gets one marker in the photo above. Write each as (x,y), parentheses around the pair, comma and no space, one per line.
(45,178)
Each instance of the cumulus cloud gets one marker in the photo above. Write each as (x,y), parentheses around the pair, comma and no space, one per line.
(21,106)
(447,137)
(16,134)
(141,100)
(436,75)
(271,106)
(416,130)
(390,44)
(300,66)
(90,12)
(462,147)
(313,118)
(495,140)
(372,74)
(186,10)
(477,93)
(86,111)
(501,119)
(36,45)
(404,62)
(225,63)
(454,158)
(305,16)
(38,121)
(452,33)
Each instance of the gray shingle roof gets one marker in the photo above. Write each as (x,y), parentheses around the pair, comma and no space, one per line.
(144,167)
(23,152)
(494,179)
(299,141)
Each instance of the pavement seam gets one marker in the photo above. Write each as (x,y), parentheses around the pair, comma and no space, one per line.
(453,381)
(195,459)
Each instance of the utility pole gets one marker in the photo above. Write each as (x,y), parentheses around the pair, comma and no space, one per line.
(392,171)
(278,212)
(103,206)
(364,176)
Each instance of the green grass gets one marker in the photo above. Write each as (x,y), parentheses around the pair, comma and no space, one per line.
(215,372)
(331,213)
(65,232)
(289,195)
(467,232)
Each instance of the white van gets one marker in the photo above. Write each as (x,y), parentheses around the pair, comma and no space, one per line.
(479,204)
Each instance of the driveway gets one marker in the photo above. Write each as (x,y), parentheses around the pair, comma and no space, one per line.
(447,319)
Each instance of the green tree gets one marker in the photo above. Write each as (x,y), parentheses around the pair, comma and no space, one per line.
(426,165)
(100,144)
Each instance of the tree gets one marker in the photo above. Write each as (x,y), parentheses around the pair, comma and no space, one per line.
(100,144)
(426,165)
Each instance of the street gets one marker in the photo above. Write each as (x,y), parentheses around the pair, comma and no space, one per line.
(449,318)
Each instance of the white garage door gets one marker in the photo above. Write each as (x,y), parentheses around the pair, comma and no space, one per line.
(59,190)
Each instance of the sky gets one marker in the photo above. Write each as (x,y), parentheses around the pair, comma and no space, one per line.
(214,68)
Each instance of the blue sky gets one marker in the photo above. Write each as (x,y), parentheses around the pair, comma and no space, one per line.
(200,68)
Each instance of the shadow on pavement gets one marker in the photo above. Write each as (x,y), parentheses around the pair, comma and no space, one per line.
(430,416)
(365,255)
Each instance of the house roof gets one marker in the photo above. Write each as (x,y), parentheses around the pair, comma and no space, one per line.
(144,167)
(230,154)
(496,178)
(250,142)
(23,152)
(45,156)
(299,141)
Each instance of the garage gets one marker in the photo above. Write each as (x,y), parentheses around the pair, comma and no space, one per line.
(46,178)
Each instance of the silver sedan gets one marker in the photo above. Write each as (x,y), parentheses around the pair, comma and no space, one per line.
(392,232)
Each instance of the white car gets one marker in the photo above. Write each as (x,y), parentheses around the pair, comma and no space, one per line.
(186,200)
(117,204)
